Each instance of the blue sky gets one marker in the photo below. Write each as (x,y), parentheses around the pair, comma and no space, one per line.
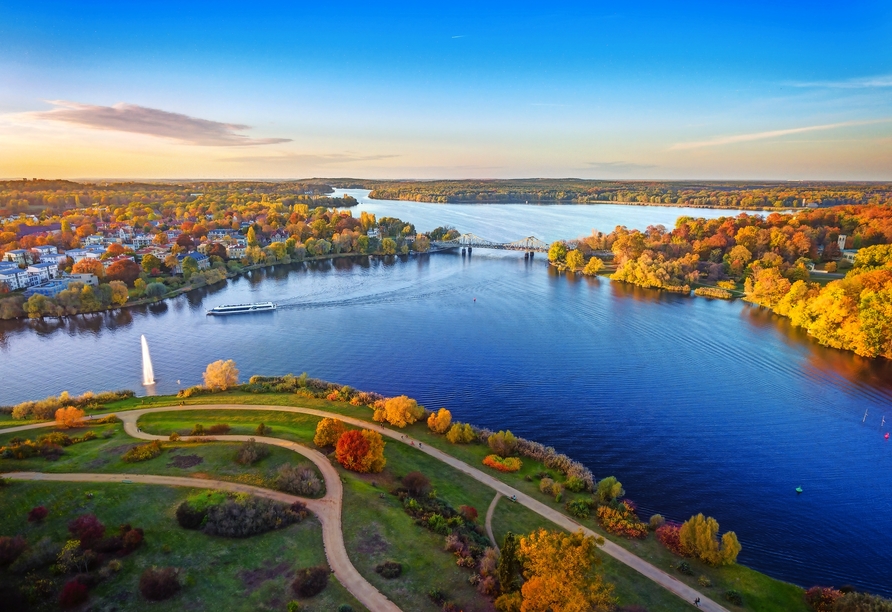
(597,90)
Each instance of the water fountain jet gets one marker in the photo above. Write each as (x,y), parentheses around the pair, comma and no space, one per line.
(148,374)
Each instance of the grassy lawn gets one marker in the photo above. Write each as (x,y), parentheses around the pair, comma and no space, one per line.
(219,573)
(199,460)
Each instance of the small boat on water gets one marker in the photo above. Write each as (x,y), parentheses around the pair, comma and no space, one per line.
(230,309)
(798,489)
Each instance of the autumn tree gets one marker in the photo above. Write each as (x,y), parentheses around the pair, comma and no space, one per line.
(557,252)
(461,433)
(361,451)
(439,422)
(89,266)
(125,271)
(69,417)
(388,245)
(561,574)
(575,259)
(398,411)
(502,443)
(698,537)
(328,431)
(120,295)
(593,266)
(221,375)
(150,264)
(609,489)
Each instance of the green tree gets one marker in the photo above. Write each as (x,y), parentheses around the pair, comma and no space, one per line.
(388,245)
(609,489)
(557,252)
(510,565)
(149,263)
(190,267)
(156,290)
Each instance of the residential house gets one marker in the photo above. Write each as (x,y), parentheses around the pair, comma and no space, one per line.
(203,261)
(374,233)
(42,272)
(13,277)
(92,252)
(83,277)
(236,250)
(140,241)
(49,289)
(95,240)
(20,257)
(849,255)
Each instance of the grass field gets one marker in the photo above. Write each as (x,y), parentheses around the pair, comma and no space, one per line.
(219,573)
(376,528)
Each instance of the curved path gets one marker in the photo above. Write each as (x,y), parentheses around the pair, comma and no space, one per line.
(667,581)
(489,512)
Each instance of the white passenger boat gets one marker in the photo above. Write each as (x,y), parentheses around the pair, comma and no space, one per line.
(229,309)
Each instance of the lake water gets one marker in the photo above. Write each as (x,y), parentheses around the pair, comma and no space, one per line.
(695,405)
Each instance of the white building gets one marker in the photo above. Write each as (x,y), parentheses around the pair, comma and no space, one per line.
(86,253)
(14,277)
(18,256)
(43,272)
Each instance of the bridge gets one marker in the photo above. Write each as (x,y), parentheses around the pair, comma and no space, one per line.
(529,244)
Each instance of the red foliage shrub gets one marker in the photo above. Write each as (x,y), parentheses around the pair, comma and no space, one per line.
(351,450)
(132,538)
(621,520)
(37,514)
(73,594)
(821,599)
(87,529)
(159,583)
(10,549)
(469,513)
(668,537)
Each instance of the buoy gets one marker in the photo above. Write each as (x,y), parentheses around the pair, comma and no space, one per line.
(799,489)
(475,299)
(887,435)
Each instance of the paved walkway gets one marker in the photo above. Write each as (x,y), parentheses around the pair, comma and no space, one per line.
(650,571)
(489,512)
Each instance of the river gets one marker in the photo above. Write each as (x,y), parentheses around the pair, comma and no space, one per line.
(695,405)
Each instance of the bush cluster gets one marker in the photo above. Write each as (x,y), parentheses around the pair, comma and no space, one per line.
(73,594)
(242,516)
(48,446)
(713,292)
(389,569)
(461,433)
(298,480)
(667,534)
(143,452)
(508,464)
(45,409)
(580,508)
(620,519)
(10,549)
(251,452)
(159,583)
(310,581)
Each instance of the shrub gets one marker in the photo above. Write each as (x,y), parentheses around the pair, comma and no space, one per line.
(437,596)
(440,421)
(87,529)
(609,489)
(704,581)
(263,430)
(298,480)
(469,513)
(656,521)
(250,452)
(345,608)
(508,464)
(245,516)
(10,549)
(461,433)
(389,569)
(713,292)
(575,484)
(685,568)
(545,485)
(502,443)
(438,524)
(620,519)
(190,517)
(73,594)
(698,537)
(143,452)
(293,606)
(159,583)
(822,599)
(328,431)
(69,417)
(55,438)
(580,508)
(734,597)
(417,484)
(174,437)
(218,429)
(862,602)
(37,514)
(35,556)
(667,534)
(310,581)
(198,430)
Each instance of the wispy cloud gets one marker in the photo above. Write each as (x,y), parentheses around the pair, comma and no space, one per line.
(308,158)
(618,166)
(459,36)
(723,140)
(124,117)
(860,83)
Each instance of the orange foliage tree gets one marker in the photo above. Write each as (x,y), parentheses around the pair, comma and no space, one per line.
(361,451)
(89,266)
(398,411)
(69,417)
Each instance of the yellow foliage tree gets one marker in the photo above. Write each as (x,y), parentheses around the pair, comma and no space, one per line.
(328,431)
(439,422)
(461,433)
(374,460)
(575,259)
(398,411)
(698,537)
(221,375)
(593,266)
(119,293)
(560,572)
(69,417)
